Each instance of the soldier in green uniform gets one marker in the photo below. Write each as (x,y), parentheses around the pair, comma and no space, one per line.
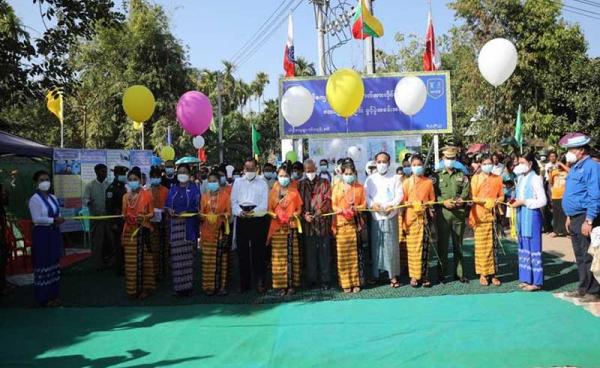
(114,206)
(451,188)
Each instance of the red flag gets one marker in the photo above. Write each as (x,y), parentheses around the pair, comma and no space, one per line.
(431,58)
(289,63)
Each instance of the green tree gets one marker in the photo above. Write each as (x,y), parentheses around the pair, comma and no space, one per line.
(304,68)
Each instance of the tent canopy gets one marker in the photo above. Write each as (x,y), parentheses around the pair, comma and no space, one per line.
(12,144)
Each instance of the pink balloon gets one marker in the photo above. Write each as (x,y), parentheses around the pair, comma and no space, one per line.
(194,112)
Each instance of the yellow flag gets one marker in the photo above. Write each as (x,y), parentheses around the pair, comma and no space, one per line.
(54,102)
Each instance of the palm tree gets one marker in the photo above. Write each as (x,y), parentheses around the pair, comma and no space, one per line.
(304,68)
(258,86)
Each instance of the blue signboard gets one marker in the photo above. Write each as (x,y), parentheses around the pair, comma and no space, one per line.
(378,114)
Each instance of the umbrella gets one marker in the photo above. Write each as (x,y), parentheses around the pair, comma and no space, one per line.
(187,160)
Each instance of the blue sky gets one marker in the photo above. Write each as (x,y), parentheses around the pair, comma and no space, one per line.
(216,30)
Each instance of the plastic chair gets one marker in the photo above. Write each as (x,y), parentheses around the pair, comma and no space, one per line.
(25,227)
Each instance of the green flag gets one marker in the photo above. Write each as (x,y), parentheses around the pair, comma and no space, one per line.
(255,139)
(519,130)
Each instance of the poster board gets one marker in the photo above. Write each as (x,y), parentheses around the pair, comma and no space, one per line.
(333,149)
(74,168)
(378,114)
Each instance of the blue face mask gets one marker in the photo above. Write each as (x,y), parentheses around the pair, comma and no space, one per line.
(418,170)
(155,182)
(122,178)
(295,175)
(213,186)
(169,170)
(349,179)
(323,168)
(223,181)
(284,181)
(487,168)
(407,171)
(269,175)
(133,185)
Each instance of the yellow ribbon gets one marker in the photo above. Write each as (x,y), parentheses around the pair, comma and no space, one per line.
(107,217)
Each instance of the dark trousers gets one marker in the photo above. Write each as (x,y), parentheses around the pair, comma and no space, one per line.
(450,226)
(102,241)
(587,282)
(251,238)
(558,218)
(317,254)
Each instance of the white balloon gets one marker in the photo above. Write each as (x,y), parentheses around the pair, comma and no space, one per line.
(336,147)
(198,142)
(497,60)
(354,153)
(410,95)
(297,105)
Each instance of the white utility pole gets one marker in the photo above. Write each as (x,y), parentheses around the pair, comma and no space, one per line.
(369,46)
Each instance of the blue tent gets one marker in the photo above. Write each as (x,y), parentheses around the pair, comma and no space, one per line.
(12,144)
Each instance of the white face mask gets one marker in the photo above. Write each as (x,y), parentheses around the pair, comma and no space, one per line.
(571,157)
(311,176)
(250,175)
(449,164)
(382,168)
(44,186)
(487,168)
(521,169)
(183,178)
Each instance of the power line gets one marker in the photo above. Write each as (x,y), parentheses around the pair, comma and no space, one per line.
(580,13)
(265,37)
(589,2)
(581,9)
(264,28)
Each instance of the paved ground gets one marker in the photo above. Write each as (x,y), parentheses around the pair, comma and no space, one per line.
(559,247)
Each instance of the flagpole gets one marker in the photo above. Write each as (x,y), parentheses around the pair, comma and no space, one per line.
(62,124)
(142,136)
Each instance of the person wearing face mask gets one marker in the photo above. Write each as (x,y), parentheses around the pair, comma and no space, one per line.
(452,188)
(249,204)
(269,174)
(286,204)
(297,174)
(140,273)
(383,192)
(370,168)
(486,188)
(170,177)
(215,208)
(557,179)
(529,201)
(418,190)
(183,198)
(348,199)
(315,192)
(158,237)
(581,203)
(324,170)
(114,206)
(94,198)
(47,241)
(337,178)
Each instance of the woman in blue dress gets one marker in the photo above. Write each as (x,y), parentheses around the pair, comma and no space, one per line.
(183,198)
(47,241)
(530,199)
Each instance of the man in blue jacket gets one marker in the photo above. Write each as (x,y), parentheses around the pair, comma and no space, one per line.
(581,203)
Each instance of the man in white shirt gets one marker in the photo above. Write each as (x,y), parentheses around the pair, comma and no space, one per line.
(249,205)
(94,198)
(383,190)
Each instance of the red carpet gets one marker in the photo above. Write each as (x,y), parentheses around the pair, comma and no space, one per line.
(22,266)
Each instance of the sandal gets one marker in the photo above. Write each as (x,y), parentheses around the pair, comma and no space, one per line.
(496,281)
(356,289)
(414,283)
(523,284)
(532,288)
(426,284)
(394,283)
(483,281)
(281,292)
(347,291)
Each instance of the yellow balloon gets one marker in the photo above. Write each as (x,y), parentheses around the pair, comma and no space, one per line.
(137,125)
(167,153)
(345,92)
(138,103)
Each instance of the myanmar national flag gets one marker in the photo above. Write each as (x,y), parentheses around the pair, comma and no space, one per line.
(364,24)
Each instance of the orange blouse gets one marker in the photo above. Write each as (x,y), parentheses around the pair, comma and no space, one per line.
(484,187)
(140,206)
(416,189)
(345,196)
(159,196)
(217,204)
(285,209)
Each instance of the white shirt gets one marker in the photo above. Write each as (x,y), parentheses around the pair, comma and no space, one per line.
(254,191)
(384,190)
(539,199)
(39,211)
